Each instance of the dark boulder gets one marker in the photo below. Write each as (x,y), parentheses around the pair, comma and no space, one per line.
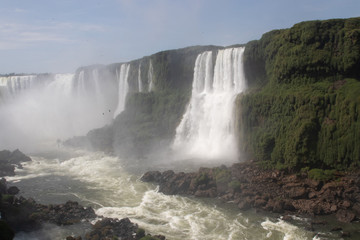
(152,176)
(17,157)
(8,161)
(13,190)
(113,228)
(6,233)
(345,216)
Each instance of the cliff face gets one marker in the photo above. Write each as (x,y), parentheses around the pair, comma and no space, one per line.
(303,105)
(302,108)
(152,114)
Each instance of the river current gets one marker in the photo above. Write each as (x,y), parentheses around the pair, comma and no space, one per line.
(98,180)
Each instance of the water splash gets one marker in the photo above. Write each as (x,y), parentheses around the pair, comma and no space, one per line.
(38,108)
(140,84)
(14,85)
(99,180)
(150,77)
(122,75)
(207,128)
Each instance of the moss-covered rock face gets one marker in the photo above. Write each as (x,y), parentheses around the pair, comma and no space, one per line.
(303,105)
(306,53)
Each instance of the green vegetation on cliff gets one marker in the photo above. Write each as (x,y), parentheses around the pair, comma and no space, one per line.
(303,105)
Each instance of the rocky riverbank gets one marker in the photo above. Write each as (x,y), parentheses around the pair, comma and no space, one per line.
(25,215)
(249,186)
(9,160)
(18,214)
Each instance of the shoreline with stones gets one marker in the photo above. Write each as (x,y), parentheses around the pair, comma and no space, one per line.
(19,214)
(249,186)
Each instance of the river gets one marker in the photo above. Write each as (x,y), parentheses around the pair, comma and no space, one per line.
(101,181)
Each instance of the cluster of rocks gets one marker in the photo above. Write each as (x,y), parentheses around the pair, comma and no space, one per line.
(23,214)
(249,186)
(20,214)
(9,160)
(109,228)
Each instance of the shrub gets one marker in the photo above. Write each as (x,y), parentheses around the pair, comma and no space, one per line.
(322,175)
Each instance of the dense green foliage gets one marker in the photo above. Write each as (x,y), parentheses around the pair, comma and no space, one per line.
(305,53)
(303,107)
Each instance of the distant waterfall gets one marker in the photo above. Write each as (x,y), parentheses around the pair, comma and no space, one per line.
(123,76)
(46,107)
(150,77)
(63,85)
(206,129)
(12,85)
(141,88)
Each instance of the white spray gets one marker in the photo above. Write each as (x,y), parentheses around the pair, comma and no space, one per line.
(150,77)
(141,88)
(207,129)
(122,75)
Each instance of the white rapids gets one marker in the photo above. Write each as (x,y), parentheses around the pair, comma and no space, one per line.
(98,180)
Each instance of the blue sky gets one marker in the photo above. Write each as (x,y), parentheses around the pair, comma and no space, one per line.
(59,36)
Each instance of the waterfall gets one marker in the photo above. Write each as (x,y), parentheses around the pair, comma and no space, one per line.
(62,85)
(46,107)
(81,83)
(206,129)
(139,79)
(150,77)
(122,75)
(13,85)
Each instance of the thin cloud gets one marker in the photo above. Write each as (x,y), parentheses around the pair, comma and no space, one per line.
(15,35)
(19,10)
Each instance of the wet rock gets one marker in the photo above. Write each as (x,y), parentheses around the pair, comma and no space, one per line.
(244,204)
(247,185)
(297,192)
(275,205)
(260,202)
(8,161)
(13,190)
(63,214)
(17,157)
(345,216)
(153,176)
(3,186)
(336,229)
(6,233)
(73,238)
(111,228)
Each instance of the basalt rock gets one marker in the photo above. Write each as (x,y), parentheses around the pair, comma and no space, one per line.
(23,214)
(124,229)
(247,185)
(8,161)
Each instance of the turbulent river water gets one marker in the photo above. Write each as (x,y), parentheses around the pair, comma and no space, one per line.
(98,180)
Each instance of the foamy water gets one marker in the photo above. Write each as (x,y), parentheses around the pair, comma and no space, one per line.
(98,180)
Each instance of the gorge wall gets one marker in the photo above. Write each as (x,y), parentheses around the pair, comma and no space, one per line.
(301,107)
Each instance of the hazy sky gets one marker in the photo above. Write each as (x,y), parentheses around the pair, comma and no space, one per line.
(59,36)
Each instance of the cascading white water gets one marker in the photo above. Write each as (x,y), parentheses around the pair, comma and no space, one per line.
(150,77)
(12,85)
(206,129)
(97,180)
(140,84)
(43,108)
(122,76)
